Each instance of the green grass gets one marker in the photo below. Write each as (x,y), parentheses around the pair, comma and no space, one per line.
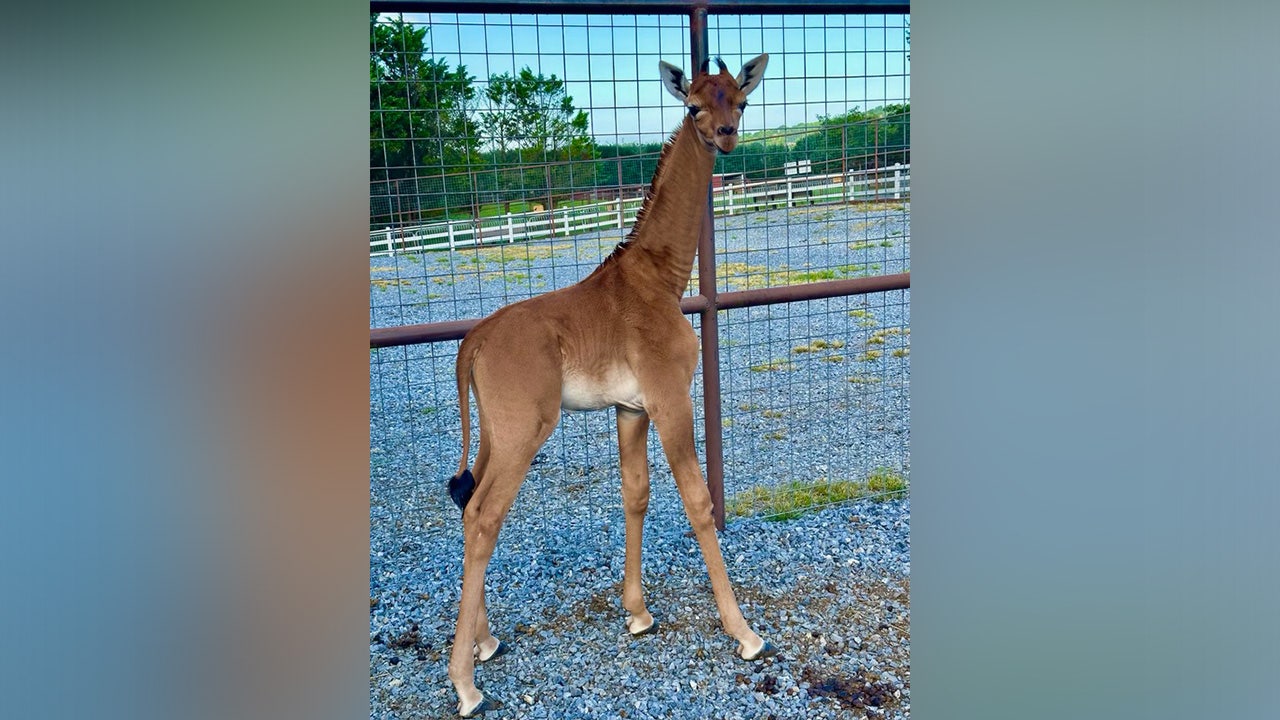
(773,366)
(793,499)
(818,346)
(772,413)
(742,276)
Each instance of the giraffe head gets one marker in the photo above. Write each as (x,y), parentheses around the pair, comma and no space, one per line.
(715,101)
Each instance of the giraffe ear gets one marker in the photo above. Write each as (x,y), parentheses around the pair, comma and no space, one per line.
(673,80)
(751,74)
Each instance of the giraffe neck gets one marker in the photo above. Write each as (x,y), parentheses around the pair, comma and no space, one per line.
(661,252)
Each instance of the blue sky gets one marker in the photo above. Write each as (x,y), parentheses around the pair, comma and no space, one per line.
(818,64)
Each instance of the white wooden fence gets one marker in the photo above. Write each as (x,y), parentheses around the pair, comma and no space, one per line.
(890,182)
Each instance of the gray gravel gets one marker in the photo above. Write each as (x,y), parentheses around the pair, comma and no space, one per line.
(829,588)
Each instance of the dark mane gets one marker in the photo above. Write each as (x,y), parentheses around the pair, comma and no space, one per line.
(648,200)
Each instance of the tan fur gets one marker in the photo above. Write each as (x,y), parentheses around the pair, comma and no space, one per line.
(618,338)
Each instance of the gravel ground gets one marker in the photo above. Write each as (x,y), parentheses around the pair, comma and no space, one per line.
(830,588)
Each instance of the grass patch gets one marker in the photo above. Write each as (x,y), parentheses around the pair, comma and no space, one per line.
(773,413)
(901,352)
(741,276)
(384,284)
(775,435)
(773,366)
(867,207)
(797,277)
(793,499)
(833,359)
(870,356)
(818,346)
(515,252)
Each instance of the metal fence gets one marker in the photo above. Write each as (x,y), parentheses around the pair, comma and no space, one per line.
(800,295)
(893,182)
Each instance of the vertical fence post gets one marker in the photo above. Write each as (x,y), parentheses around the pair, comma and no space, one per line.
(511,228)
(453,243)
(897,182)
(709,320)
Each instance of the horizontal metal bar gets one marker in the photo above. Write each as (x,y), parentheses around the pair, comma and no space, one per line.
(424,333)
(690,304)
(646,7)
(812,291)
(456,329)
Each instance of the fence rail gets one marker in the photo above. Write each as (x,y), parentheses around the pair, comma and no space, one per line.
(889,183)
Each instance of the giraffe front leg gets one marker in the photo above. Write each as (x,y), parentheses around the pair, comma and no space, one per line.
(675,429)
(633,430)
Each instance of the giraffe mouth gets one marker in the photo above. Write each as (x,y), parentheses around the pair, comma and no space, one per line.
(725,151)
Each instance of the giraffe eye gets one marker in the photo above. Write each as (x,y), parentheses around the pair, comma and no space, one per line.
(742,105)
(694,109)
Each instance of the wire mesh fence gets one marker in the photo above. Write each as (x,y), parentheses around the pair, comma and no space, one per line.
(508,156)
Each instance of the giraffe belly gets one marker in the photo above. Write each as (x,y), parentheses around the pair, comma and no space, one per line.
(585,392)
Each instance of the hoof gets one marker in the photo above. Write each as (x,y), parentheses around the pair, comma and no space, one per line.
(766,650)
(503,649)
(653,628)
(482,707)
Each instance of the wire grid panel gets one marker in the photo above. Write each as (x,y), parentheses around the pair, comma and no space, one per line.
(471,210)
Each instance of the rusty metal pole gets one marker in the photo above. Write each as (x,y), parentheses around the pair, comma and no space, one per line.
(709,321)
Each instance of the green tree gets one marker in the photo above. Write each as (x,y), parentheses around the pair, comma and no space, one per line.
(532,119)
(858,139)
(423,139)
(534,114)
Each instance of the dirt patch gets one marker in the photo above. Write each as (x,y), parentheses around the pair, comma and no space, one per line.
(851,691)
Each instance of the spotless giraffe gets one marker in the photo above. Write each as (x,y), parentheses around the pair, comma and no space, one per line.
(617,338)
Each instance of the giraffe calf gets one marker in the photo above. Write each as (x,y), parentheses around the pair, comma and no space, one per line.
(616,339)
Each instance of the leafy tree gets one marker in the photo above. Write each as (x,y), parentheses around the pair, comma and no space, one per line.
(419,117)
(858,139)
(531,119)
(535,114)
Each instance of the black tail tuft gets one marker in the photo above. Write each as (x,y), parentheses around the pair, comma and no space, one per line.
(461,487)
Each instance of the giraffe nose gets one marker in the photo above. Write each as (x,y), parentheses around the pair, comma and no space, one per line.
(726,130)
